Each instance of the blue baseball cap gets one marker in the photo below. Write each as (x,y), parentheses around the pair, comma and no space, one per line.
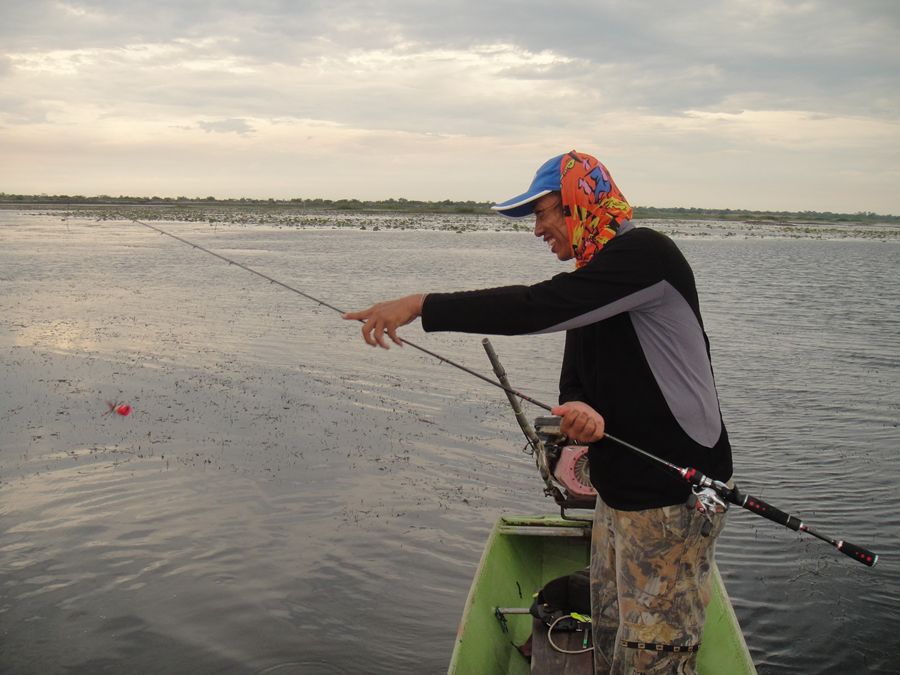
(546,180)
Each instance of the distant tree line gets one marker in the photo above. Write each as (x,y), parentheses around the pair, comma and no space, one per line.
(318,204)
(676,213)
(445,206)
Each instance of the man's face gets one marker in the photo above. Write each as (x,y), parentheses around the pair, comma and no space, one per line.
(550,225)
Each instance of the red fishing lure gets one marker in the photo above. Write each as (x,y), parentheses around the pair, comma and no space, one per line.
(119,408)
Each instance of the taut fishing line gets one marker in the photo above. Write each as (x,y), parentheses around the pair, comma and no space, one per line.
(443,359)
(698,480)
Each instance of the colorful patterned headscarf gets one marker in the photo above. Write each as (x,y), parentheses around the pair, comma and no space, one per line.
(594,207)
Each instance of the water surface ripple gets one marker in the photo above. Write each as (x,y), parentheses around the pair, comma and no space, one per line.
(286,500)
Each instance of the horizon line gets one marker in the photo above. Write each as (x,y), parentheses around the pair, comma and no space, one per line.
(104,199)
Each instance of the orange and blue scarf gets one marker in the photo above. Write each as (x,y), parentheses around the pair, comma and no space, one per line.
(594,207)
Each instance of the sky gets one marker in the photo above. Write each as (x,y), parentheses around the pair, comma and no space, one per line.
(750,104)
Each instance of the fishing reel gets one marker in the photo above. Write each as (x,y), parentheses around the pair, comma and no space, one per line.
(568,464)
(707,502)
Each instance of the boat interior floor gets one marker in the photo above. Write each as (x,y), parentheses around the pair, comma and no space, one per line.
(545,660)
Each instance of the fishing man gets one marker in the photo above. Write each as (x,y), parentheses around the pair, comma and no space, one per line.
(637,362)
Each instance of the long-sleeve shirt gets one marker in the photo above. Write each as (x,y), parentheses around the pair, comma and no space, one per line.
(635,351)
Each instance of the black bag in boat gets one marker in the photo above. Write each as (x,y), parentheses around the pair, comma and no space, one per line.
(561,597)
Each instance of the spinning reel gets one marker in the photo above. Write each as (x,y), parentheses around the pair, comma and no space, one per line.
(568,464)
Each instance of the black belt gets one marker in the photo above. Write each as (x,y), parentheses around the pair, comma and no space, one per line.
(658,647)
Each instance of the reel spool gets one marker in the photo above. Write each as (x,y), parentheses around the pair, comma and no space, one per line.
(568,463)
(573,471)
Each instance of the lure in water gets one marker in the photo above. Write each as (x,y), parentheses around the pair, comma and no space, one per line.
(118,408)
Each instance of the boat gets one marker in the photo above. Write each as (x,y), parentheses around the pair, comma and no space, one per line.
(525,552)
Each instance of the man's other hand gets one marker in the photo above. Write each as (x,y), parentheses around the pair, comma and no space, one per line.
(387,317)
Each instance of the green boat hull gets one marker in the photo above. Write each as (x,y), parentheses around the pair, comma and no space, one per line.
(522,554)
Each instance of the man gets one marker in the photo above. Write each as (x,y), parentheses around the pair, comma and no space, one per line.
(636,361)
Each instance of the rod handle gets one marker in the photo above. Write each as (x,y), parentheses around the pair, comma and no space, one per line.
(761,508)
(863,555)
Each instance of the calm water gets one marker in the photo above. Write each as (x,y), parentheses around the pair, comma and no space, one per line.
(285,499)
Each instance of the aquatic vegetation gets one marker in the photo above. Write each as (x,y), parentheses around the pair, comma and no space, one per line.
(681,223)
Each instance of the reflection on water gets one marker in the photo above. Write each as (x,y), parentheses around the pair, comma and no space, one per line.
(285,500)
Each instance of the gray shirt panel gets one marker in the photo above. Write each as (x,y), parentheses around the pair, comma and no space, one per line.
(673,344)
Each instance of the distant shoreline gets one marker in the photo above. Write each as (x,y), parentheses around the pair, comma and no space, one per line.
(410,207)
(686,225)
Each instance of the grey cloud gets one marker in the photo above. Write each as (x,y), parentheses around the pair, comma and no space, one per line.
(232,125)
(21,110)
(267,29)
(555,72)
(671,57)
(827,56)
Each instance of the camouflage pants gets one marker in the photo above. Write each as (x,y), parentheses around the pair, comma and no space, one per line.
(650,584)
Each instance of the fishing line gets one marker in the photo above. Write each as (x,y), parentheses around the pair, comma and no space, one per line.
(690,474)
(322,303)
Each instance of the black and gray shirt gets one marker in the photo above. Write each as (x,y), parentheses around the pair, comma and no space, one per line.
(635,350)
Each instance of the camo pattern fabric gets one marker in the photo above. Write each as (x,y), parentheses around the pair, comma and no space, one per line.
(650,585)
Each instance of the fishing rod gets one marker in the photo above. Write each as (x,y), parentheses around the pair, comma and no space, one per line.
(442,359)
(701,481)
(689,474)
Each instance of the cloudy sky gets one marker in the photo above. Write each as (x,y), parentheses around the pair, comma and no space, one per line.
(755,104)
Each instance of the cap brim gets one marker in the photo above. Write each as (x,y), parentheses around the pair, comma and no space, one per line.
(520,206)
